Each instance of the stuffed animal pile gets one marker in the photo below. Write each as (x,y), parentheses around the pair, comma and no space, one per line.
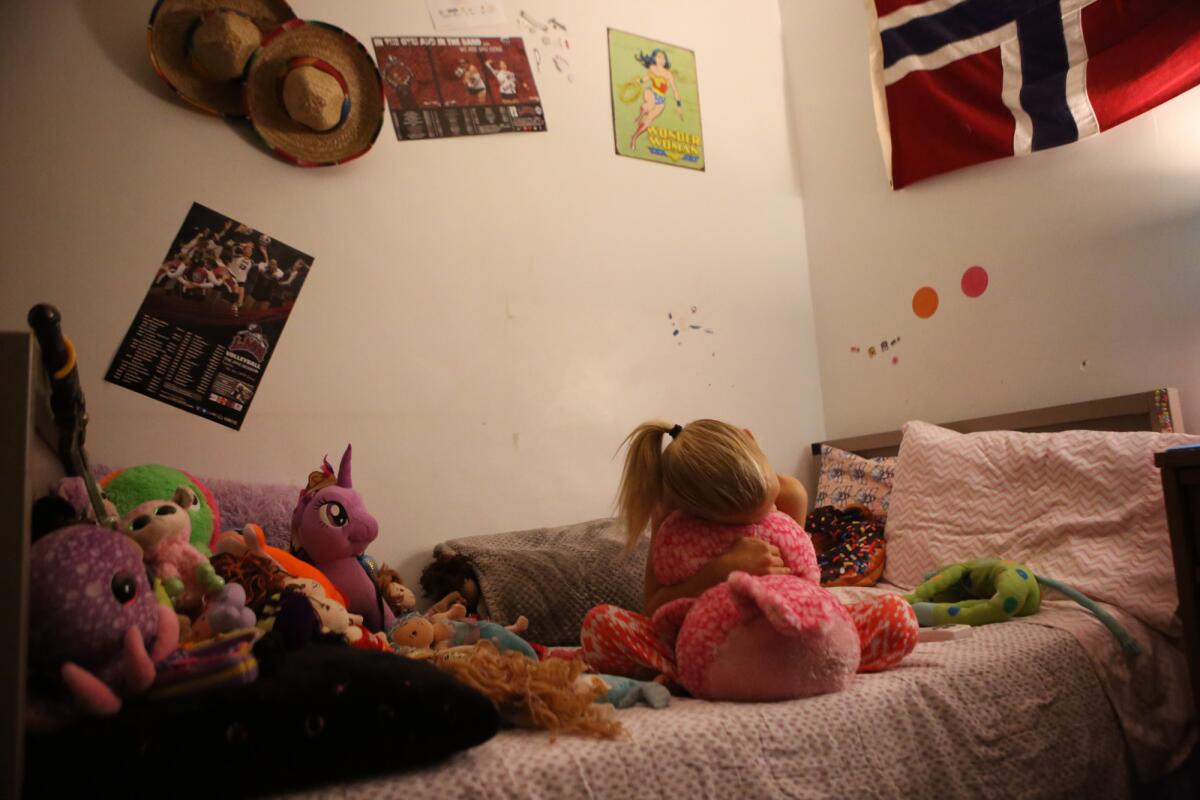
(143,610)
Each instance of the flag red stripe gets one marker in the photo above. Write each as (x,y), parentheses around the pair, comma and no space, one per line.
(1130,72)
(885,7)
(949,118)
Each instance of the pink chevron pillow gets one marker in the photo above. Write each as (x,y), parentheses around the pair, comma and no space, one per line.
(1085,507)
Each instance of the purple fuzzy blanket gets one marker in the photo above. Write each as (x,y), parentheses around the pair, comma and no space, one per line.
(268,504)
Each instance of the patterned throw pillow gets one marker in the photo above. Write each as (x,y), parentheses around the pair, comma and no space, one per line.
(850,480)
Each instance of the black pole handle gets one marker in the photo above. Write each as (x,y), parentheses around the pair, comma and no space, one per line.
(46,323)
(66,400)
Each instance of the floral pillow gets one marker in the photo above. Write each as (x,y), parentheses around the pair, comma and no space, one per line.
(847,479)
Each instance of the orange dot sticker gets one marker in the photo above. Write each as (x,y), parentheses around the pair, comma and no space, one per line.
(925,302)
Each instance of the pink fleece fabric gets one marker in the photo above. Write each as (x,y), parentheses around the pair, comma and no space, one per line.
(771,637)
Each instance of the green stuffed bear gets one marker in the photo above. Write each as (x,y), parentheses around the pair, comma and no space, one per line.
(129,488)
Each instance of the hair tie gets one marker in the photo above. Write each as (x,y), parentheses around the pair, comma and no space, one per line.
(678,429)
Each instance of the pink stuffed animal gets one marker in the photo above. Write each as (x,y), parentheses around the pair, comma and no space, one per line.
(772,637)
(163,530)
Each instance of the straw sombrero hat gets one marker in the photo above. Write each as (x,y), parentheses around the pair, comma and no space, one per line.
(200,47)
(314,95)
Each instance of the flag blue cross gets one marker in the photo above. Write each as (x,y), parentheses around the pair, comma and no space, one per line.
(1043,44)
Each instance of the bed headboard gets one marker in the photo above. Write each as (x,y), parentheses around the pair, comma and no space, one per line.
(1155,410)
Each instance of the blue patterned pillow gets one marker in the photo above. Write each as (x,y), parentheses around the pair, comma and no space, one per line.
(847,479)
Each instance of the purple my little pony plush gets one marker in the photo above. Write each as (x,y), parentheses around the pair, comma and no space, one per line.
(332,528)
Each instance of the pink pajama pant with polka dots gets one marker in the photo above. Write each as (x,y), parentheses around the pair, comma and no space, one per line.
(621,642)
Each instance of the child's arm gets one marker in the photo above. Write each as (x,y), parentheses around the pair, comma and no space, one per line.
(754,556)
(793,498)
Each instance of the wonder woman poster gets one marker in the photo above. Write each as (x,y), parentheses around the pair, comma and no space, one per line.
(655,100)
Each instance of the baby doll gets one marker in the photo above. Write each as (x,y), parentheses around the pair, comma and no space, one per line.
(449,579)
(418,635)
(398,596)
(334,617)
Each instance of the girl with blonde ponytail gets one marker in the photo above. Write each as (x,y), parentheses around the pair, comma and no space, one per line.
(708,470)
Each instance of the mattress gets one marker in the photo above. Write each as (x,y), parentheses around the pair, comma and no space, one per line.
(1014,710)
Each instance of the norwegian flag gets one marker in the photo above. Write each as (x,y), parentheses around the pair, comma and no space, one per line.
(960,82)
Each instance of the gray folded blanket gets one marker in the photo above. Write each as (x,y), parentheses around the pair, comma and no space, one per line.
(554,576)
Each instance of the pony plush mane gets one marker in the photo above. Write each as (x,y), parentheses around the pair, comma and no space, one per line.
(317,480)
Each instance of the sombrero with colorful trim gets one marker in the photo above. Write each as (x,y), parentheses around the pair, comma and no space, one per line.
(314,95)
(200,47)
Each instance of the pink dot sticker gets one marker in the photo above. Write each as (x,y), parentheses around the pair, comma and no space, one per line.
(974,281)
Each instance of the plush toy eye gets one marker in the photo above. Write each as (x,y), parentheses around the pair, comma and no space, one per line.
(333,514)
(185,498)
(140,522)
(124,588)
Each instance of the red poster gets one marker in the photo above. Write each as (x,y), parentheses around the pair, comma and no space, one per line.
(439,86)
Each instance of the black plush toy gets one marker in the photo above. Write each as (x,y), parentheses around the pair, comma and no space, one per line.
(50,513)
(319,714)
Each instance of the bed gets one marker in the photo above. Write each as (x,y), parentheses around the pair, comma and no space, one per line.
(1031,708)
(941,722)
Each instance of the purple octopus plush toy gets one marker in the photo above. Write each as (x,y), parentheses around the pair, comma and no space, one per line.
(96,628)
(332,528)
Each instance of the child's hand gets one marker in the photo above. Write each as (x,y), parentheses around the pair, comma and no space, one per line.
(753,556)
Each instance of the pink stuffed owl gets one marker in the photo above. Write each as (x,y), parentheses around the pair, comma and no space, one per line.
(772,637)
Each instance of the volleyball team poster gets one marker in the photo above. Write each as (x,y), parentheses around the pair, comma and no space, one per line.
(655,100)
(212,318)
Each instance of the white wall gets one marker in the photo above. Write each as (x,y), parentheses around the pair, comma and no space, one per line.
(486,364)
(1093,251)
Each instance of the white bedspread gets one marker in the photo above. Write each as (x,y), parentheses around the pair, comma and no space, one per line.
(1013,711)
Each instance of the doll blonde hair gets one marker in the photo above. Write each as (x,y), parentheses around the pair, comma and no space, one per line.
(531,693)
(709,469)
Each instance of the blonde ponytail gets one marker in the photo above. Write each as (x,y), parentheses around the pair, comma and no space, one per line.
(641,490)
(710,470)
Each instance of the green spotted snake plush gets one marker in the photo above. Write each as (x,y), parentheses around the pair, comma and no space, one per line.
(994,590)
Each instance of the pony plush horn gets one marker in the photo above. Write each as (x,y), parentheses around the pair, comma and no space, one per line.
(343,477)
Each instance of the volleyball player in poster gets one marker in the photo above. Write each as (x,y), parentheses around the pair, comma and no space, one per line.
(445,86)
(220,287)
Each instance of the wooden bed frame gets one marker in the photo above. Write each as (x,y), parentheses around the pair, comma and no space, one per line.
(1156,410)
